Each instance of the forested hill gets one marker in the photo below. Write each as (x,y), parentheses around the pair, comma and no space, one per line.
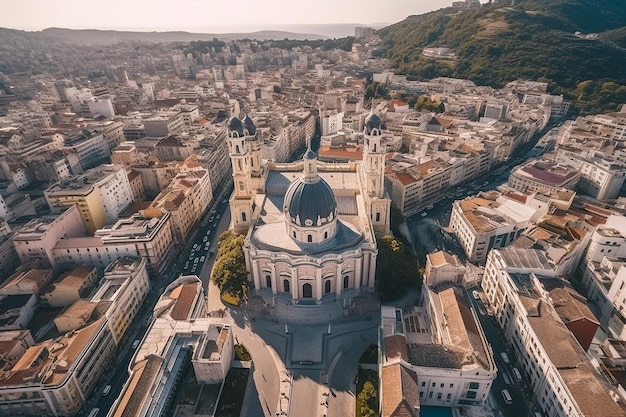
(552,41)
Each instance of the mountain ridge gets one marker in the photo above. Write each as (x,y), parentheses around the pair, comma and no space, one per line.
(109,36)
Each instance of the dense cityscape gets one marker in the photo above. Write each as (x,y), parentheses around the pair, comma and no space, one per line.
(251,228)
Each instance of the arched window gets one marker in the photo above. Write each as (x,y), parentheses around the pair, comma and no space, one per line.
(294,234)
(243,216)
(346,281)
(377,217)
(268,281)
(286,285)
(237,149)
(327,287)
(309,238)
(325,235)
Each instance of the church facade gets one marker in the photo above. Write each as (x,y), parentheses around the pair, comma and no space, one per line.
(310,226)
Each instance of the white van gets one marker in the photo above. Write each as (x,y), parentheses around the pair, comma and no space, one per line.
(517,374)
(507,397)
(94,412)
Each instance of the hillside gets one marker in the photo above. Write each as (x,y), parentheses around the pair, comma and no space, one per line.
(534,39)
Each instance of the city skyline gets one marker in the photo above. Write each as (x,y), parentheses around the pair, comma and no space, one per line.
(199,16)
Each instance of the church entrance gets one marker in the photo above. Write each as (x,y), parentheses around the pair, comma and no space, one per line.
(307,291)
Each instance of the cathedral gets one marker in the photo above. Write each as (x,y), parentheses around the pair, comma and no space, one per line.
(310,226)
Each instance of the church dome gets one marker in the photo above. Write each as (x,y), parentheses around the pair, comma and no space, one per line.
(373,121)
(235,124)
(310,203)
(249,125)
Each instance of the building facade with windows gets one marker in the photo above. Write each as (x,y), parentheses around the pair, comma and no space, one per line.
(54,377)
(552,361)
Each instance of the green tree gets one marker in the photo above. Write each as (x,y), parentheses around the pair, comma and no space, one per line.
(396,268)
(229,272)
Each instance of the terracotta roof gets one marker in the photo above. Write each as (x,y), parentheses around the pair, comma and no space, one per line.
(400,392)
(137,392)
(395,347)
(405,179)
(346,152)
(184,302)
(441,258)
(35,277)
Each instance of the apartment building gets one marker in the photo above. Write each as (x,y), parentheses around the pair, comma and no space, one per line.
(552,361)
(546,176)
(164,124)
(604,275)
(147,234)
(36,240)
(92,148)
(602,175)
(101,195)
(71,286)
(488,221)
(186,199)
(54,377)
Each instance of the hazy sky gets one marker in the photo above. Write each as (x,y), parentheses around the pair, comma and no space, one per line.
(204,15)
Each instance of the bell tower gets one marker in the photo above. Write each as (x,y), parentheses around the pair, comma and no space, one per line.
(245,157)
(373,174)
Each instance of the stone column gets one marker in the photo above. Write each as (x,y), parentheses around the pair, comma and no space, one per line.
(339,283)
(358,279)
(319,288)
(274,281)
(295,290)
(254,270)
(372,277)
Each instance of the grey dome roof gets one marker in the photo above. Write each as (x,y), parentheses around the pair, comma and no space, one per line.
(310,201)
(373,121)
(234,123)
(249,124)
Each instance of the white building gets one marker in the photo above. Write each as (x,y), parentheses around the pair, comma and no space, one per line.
(552,361)
(488,221)
(180,333)
(445,347)
(310,226)
(602,175)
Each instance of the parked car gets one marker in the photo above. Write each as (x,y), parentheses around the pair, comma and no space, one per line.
(106,390)
(517,374)
(202,258)
(135,343)
(505,357)
(507,396)
(476,295)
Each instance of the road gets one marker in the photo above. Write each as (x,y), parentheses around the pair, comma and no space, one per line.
(116,373)
(505,378)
